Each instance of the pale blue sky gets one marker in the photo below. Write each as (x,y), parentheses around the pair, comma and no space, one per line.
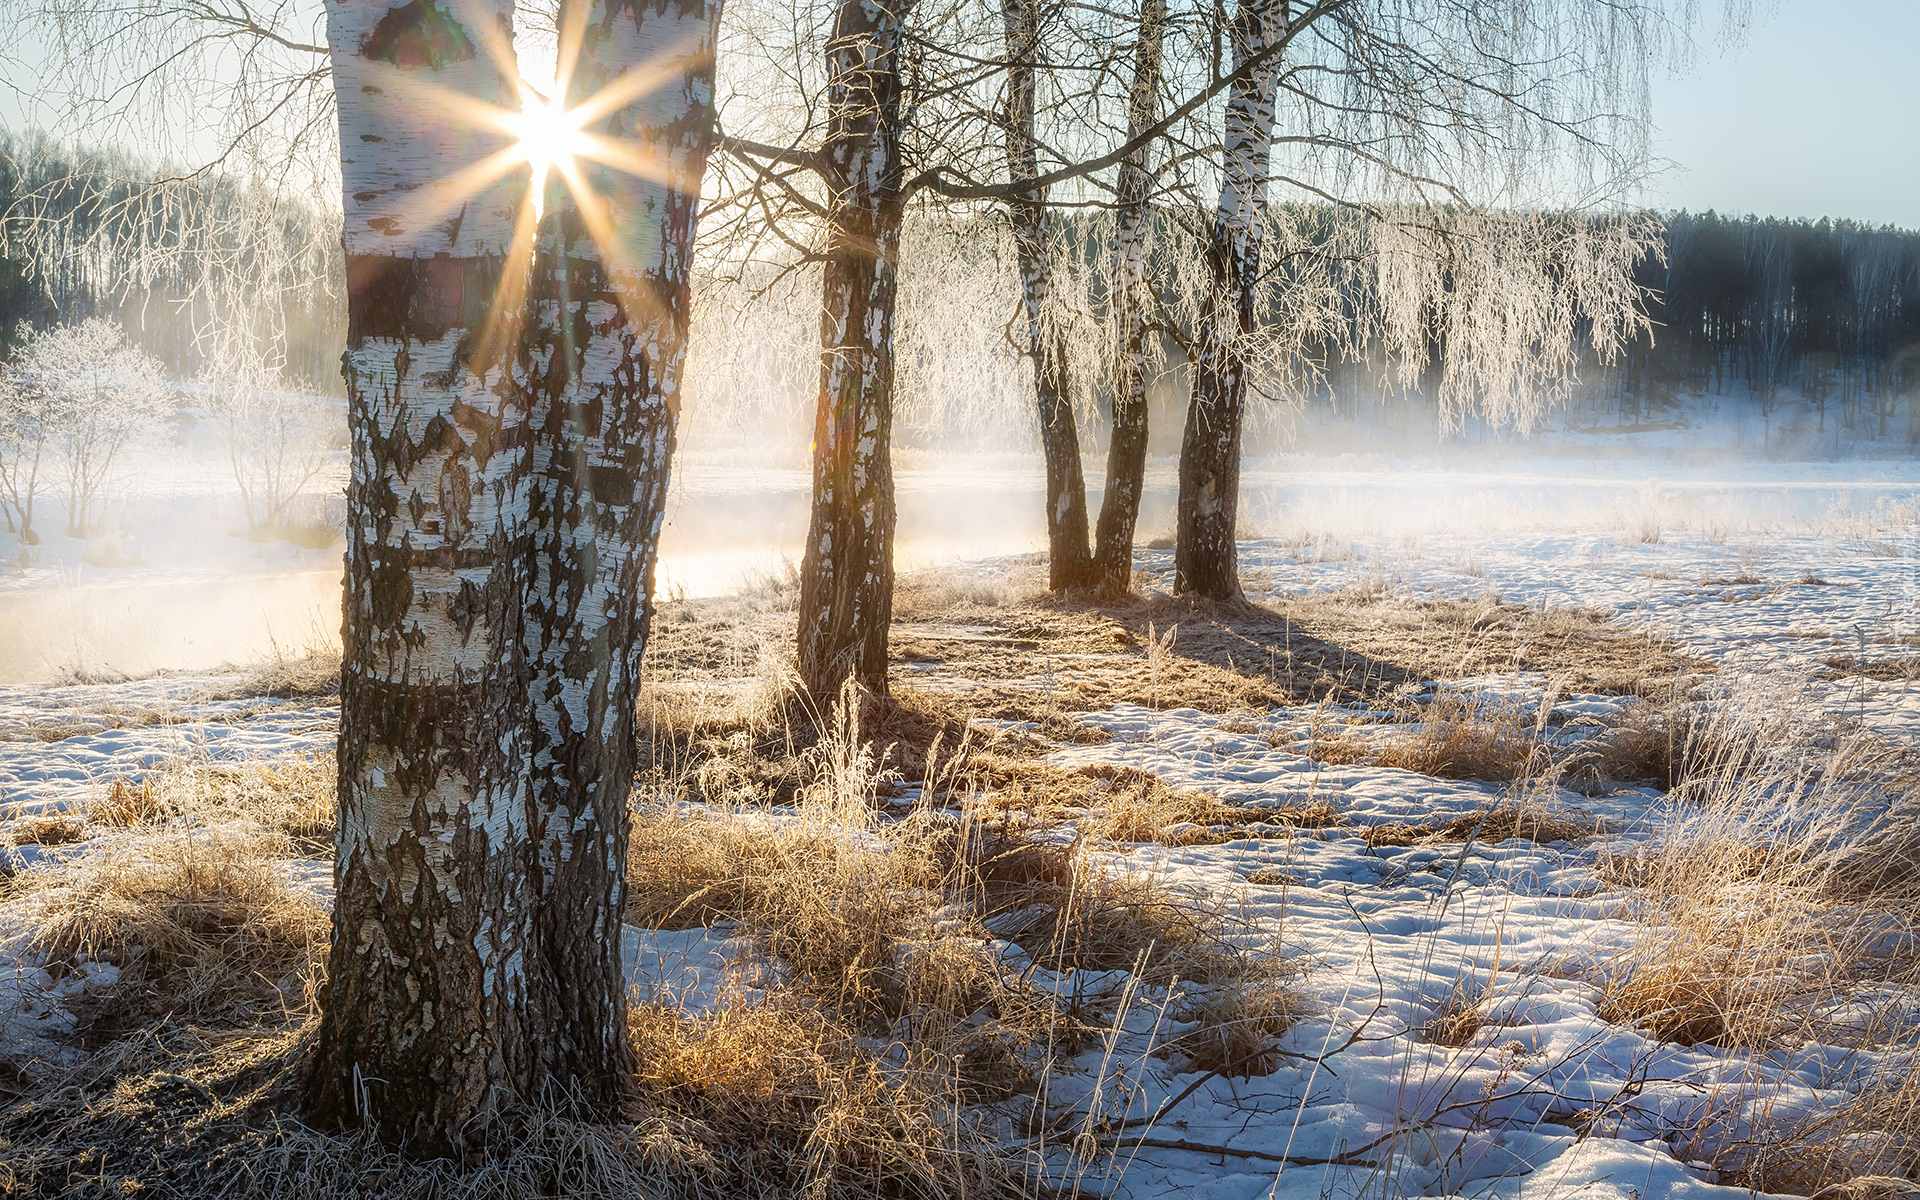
(1817,114)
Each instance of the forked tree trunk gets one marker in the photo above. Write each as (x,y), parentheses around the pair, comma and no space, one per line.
(609,344)
(846,573)
(1205,554)
(425,1030)
(1068,558)
(1127,450)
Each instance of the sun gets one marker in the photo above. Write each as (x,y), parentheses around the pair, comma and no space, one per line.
(550,136)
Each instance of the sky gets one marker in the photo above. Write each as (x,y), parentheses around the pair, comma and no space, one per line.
(1816,114)
(1814,111)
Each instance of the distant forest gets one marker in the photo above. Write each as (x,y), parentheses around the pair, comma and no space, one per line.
(1753,308)
(85,235)
(1817,321)
(1810,323)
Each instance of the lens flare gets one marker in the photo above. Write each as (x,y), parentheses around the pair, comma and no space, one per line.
(550,137)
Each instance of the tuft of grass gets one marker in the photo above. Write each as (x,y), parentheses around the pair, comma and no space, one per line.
(204,932)
(128,804)
(49,829)
(295,795)
(1463,736)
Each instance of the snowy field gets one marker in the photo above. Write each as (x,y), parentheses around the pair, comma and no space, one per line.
(1803,592)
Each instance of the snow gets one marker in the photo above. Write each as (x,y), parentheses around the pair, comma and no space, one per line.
(60,746)
(1547,1098)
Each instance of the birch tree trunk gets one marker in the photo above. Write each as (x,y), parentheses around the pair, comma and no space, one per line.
(1205,554)
(425,1030)
(846,574)
(1068,558)
(610,341)
(1127,449)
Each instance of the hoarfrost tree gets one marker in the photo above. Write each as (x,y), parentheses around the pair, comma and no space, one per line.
(25,425)
(1384,107)
(98,391)
(1069,558)
(278,439)
(1129,303)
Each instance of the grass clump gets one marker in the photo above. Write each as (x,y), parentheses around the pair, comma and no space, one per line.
(294,795)
(202,932)
(1461,735)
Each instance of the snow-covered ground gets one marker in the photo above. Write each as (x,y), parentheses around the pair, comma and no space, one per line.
(1772,580)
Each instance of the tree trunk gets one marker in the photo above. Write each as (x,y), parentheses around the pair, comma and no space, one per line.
(846,573)
(613,294)
(1068,559)
(424,1030)
(1127,450)
(1205,554)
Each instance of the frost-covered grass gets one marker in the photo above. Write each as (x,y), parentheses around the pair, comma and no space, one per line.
(1384,887)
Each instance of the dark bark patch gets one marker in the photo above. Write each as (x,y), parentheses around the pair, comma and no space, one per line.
(419,299)
(419,34)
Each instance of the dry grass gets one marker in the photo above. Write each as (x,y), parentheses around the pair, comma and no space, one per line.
(1133,806)
(311,674)
(1464,736)
(1769,921)
(1020,655)
(1516,820)
(294,795)
(49,829)
(201,932)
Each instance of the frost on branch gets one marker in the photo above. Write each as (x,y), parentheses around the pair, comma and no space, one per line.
(88,391)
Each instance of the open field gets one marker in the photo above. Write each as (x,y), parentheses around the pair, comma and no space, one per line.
(1507,865)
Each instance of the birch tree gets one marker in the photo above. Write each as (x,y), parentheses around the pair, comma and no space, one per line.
(96,391)
(846,571)
(1205,560)
(1069,559)
(608,349)
(428,1030)
(25,424)
(1129,295)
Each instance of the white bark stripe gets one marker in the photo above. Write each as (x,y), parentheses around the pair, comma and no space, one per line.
(413,138)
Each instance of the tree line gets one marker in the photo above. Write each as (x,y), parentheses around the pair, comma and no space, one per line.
(1753,306)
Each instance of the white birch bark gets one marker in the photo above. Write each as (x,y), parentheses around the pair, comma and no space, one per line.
(424,1032)
(846,574)
(610,342)
(1127,449)
(1068,557)
(1205,558)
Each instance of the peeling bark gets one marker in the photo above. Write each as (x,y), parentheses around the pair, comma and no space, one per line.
(608,345)
(1205,552)
(425,1031)
(1068,558)
(846,573)
(1112,571)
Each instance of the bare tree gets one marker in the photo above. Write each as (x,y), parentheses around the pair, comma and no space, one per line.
(608,347)
(278,439)
(1205,559)
(846,572)
(98,391)
(1129,304)
(1069,559)
(25,425)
